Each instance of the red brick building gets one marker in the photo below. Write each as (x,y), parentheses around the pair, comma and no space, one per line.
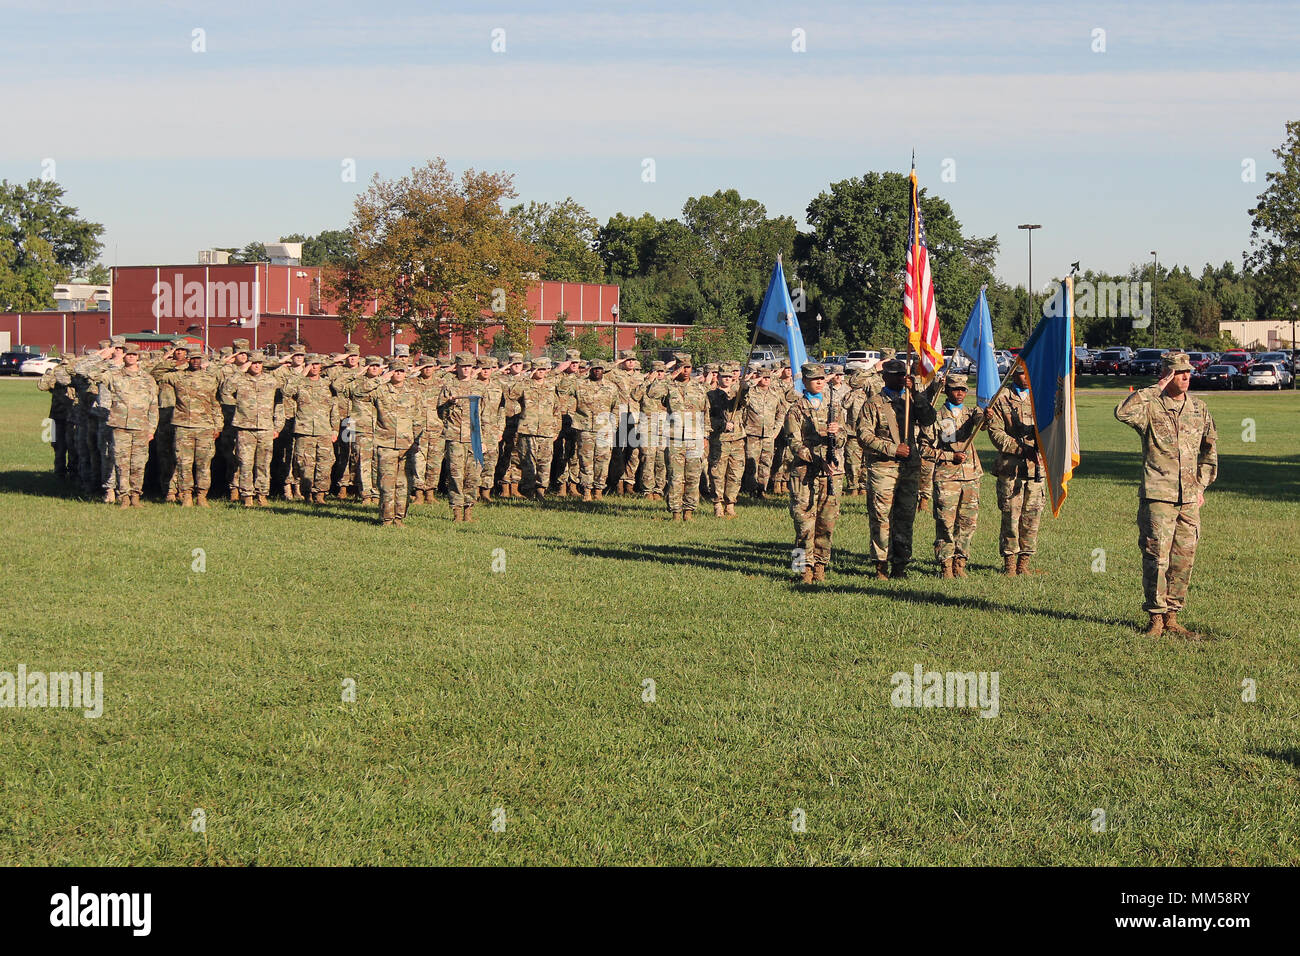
(273,305)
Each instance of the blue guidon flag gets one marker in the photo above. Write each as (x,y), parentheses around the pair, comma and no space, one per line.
(1048,358)
(475,429)
(777,318)
(976,343)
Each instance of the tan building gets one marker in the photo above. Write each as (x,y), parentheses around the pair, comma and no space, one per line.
(1263,335)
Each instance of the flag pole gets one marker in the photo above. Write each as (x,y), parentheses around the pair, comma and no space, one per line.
(984,424)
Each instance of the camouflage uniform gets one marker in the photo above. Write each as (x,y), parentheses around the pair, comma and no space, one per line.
(594,418)
(759,409)
(956,486)
(650,435)
(398,422)
(727,451)
(85,420)
(781,453)
(492,425)
(196,421)
(58,382)
(1021,489)
(284,454)
(566,452)
(256,419)
(429,456)
(226,457)
(510,453)
(341,376)
(855,475)
(165,438)
(816,472)
(463,470)
(892,482)
(316,423)
(539,424)
(362,412)
(101,471)
(688,418)
(130,399)
(1180,460)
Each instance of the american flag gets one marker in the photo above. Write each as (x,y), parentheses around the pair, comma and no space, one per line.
(918,297)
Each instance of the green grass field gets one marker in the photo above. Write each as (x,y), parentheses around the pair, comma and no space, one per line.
(522,689)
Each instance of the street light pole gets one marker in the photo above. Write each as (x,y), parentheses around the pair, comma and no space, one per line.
(1293,353)
(1155,277)
(1030,227)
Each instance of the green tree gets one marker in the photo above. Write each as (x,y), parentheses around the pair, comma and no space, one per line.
(856,257)
(43,241)
(99,274)
(1274,254)
(439,253)
(332,247)
(566,234)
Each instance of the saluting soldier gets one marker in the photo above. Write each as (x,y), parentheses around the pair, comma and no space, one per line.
(463,471)
(727,451)
(1180,459)
(196,425)
(316,427)
(759,411)
(539,424)
(688,416)
(594,416)
(428,459)
(651,432)
(396,435)
(129,397)
(257,420)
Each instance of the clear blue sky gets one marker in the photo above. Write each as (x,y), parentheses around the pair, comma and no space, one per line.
(1116,153)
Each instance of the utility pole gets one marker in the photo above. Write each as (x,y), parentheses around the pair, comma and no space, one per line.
(1155,277)
(1030,227)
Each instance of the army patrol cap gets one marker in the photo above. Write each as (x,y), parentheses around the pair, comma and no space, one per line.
(400,364)
(886,354)
(893,366)
(956,381)
(657,366)
(515,358)
(373,360)
(488,361)
(105,343)
(426,361)
(445,361)
(352,349)
(572,355)
(543,362)
(314,359)
(811,371)
(603,366)
(129,348)
(682,358)
(258,356)
(1176,362)
(464,360)
(227,350)
(297,347)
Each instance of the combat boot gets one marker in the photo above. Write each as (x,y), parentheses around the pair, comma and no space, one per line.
(1009,565)
(717,509)
(899,570)
(1155,627)
(110,496)
(171,497)
(819,572)
(201,499)
(882,570)
(676,516)
(125,502)
(262,502)
(288,491)
(468,513)
(234,494)
(959,567)
(343,492)
(1173,627)
(688,515)
(186,500)
(135,500)
(945,570)
(1022,566)
(730,510)
(570,489)
(539,493)
(586,494)
(457,514)
(598,493)
(807,574)
(399,522)
(248,501)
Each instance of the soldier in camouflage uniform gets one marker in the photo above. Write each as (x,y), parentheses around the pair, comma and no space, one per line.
(650,435)
(539,424)
(316,427)
(956,477)
(594,416)
(257,419)
(727,454)
(759,409)
(92,369)
(855,475)
(129,396)
(196,424)
(492,423)
(361,411)
(235,364)
(429,456)
(463,470)
(781,456)
(58,382)
(165,440)
(510,454)
(1021,489)
(816,447)
(688,425)
(893,459)
(398,419)
(565,464)
(626,458)
(346,369)
(1180,460)
(282,457)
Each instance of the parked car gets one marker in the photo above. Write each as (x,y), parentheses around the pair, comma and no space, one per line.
(864,355)
(1082,360)
(1217,376)
(1111,362)
(1201,359)
(37,365)
(1268,375)
(1146,362)
(1237,358)
(1269,358)
(1005,361)
(12,362)
(763,358)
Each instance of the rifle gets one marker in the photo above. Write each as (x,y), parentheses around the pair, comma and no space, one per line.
(832,457)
